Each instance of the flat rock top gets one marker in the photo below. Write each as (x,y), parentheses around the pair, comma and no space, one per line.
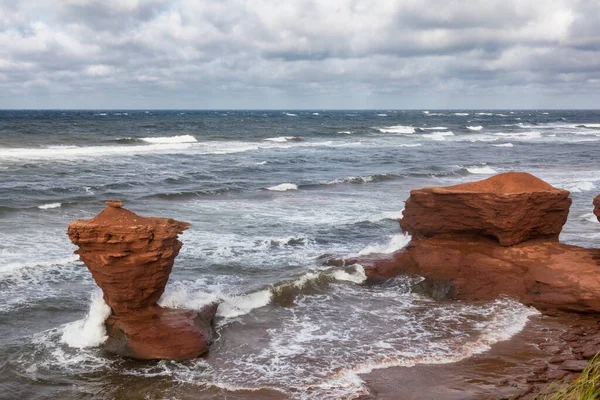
(116,216)
(506,183)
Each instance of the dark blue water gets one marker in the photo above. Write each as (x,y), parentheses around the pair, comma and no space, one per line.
(267,192)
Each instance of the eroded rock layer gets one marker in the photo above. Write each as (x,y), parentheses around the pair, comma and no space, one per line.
(512,207)
(130,258)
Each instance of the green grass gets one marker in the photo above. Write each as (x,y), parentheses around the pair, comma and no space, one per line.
(586,387)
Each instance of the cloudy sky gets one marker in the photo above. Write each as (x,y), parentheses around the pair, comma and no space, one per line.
(300,54)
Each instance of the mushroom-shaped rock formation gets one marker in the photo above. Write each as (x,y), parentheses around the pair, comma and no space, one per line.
(494,237)
(512,207)
(130,258)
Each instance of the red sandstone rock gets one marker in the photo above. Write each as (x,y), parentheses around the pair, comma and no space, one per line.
(540,273)
(597,207)
(512,207)
(130,258)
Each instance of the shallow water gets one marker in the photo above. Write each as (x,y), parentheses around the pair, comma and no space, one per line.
(267,192)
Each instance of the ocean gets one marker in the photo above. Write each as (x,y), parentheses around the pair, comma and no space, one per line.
(268,193)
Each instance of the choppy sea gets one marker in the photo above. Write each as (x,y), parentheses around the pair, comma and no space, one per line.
(267,193)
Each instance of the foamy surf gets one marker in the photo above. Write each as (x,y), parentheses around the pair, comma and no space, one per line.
(481,170)
(283,139)
(580,186)
(400,129)
(503,145)
(438,136)
(170,139)
(393,244)
(90,331)
(283,187)
(49,206)
(475,128)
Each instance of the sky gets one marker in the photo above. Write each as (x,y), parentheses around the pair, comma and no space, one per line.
(299,54)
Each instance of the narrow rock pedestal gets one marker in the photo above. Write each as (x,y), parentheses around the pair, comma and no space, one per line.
(130,258)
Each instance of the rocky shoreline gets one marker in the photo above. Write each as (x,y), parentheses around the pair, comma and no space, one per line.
(470,242)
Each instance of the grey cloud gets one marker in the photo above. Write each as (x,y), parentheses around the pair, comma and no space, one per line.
(164,52)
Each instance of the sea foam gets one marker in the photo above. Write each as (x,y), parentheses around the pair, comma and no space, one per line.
(170,139)
(90,331)
(283,187)
(483,170)
(402,129)
(49,206)
(393,244)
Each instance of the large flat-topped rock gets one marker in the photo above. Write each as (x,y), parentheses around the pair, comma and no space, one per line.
(512,207)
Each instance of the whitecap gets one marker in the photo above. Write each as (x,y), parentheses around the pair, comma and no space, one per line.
(482,170)
(590,217)
(49,206)
(382,115)
(410,145)
(291,114)
(580,186)
(434,128)
(438,136)
(397,129)
(315,113)
(346,132)
(236,306)
(475,128)
(485,114)
(283,187)
(393,244)
(460,114)
(503,145)
(393,215)
(283,139)
(170,139)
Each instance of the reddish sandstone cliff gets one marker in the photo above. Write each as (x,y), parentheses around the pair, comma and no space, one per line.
(130,258)
(495,237)
(597,207)
(512,207)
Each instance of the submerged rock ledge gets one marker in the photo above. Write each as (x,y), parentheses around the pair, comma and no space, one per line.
(498,236)
(130,258)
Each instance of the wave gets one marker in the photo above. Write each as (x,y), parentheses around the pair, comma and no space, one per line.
(393,244)
(521,135)
(49,206)
(461,114)
(475,128)
(346,132)
(382,115)
(89,331)
(402,129)
(236,305)
(485,114)
(170,139)
(510,318)
(481,170)
(410,145)
(387,215)
(590,217)
(438,136)
(433,128)
(580,186)
(283,187)
(291,114)
(364,179)
(503,145)
(283,139)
